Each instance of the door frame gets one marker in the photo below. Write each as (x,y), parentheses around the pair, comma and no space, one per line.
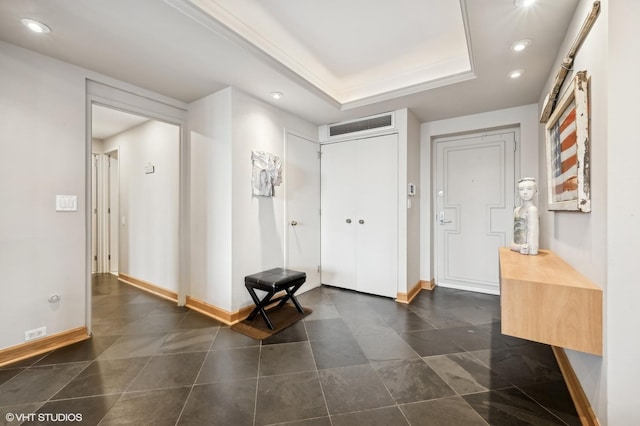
(434,190)
(157,107)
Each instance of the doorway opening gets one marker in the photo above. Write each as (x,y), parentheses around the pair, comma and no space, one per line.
(106,125)
(136,198)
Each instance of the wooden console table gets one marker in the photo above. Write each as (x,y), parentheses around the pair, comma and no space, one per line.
(544,299)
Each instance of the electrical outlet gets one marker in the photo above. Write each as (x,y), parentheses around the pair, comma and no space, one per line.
(36,333)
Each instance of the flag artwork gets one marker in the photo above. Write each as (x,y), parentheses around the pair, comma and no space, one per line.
(564,156)
(568,149)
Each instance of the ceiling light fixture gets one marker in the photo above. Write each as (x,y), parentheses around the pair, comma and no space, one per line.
(276,95)
(35,26)
(520,45)
(516,74)
(524,3)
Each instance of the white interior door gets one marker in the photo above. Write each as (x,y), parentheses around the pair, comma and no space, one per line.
(474,201)
(302,186)
(339,221)
(94,213)
(113,212)
(377,215)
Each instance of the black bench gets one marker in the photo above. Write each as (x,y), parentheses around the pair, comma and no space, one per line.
(271,282)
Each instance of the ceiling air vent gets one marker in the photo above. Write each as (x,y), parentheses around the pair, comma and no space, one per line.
(370,123)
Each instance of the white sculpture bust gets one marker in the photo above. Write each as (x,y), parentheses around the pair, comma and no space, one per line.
(525,219)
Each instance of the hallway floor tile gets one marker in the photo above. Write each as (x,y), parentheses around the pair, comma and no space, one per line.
(356,360)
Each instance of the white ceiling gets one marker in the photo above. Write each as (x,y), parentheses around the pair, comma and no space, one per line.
(107,122)
(353,50)
(333,59)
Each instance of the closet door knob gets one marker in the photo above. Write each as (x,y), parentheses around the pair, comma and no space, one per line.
(348,220)
(361,221)
(294,223)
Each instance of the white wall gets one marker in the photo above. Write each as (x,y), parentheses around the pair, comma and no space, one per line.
(622,217)
(603,245)
(249,232)
(43,154)
(97,146)
(580,238)
(409,172)
(211,212)
(258,222)
(524,117)
(148,239)
(43,120)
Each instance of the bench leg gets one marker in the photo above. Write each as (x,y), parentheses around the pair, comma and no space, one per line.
(260,304)
(291,295)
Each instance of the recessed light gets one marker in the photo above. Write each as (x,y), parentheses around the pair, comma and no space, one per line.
(276,95)
(520,45)
(516,74)
(35,26)
(524,3)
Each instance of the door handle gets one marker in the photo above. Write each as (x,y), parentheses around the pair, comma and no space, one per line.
(441,218)
(361,221)
(294,223)
(348,220)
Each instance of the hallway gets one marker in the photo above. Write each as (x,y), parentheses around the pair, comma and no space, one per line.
(356,360)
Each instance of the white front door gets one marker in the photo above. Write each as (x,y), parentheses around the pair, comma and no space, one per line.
(302,185)
(474,201)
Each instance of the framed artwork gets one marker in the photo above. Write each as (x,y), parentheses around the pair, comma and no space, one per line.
(266,173)
(568,153)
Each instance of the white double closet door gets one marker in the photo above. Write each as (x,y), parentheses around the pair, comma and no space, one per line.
(359,216)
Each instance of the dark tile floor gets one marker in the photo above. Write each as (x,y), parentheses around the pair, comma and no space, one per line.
(356,360)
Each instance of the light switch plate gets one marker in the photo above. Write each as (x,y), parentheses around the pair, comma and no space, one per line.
(66,203)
